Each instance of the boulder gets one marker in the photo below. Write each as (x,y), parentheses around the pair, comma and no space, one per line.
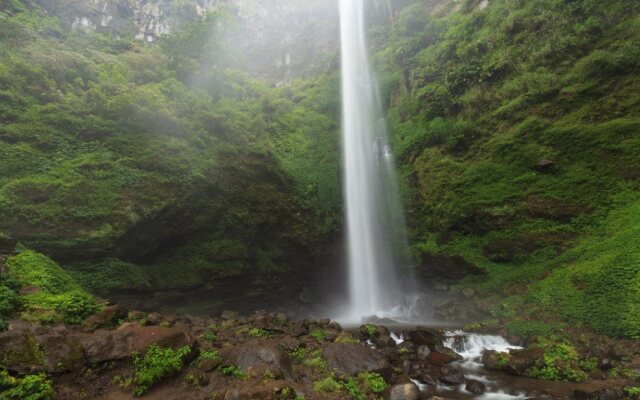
(475,386)
(602,394)
(443,355)
(405,391)
(546,165)
(425,337)
(108,316)
(7,245)
(350,359)
(452,376)
(26,348)
(259,356)
(106,345)
(521,360)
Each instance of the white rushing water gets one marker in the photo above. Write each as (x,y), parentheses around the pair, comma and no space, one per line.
(470,346)
(375,221)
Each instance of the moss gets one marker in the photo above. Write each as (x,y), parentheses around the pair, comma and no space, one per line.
(52,294)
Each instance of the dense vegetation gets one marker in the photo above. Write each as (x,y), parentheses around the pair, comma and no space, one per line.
(160,166)
(164,165)
(517,128)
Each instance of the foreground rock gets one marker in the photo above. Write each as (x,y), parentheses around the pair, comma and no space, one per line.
(260,357)
(349,359)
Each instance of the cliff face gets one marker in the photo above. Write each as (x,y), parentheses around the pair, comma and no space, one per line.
(277,39)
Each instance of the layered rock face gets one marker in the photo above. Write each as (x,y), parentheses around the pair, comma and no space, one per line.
(278,39)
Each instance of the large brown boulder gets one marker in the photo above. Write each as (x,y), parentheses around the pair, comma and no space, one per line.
(350,359)
(521,360)
(425,337)
(404,391)
(29,347)
(259,356)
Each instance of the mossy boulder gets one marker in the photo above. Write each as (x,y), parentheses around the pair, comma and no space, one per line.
(48,293)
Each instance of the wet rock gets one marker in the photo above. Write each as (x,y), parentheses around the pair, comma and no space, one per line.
(229,315)
(492,360)
(384,341)
(406,391)
(423,352)
(108,316)
(259,356)
(425,337)
(450,268)
(546,165)
(468,292)
(452,376)
(605,364)
(299,329)
(209,364)
(602,394)
(443,355)
(264,391)
(107,345)
(350,359)
(475,386)
(521,360)
(7,245)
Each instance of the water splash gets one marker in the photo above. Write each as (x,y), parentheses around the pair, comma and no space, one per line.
(375,220)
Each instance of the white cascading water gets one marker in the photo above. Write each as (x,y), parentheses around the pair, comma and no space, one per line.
(375,221)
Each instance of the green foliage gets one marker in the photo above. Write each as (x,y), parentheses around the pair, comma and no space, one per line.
(108,275)
(259,332)
(633,392)
(327,385)
(209,336)
(318,334)
(373,382)
(8,304)
(107,140)
(560,362)
(28,387)
(309,358)
(356,388)
(209,355)
(55,295)
(371,330)
(157,363)
(479,102)
(232,370)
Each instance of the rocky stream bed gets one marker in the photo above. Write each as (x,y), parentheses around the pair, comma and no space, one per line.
(118,354)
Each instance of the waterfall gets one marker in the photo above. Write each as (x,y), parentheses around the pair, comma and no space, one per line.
(375,220)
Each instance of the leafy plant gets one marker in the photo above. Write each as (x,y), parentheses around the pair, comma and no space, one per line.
(318,334)
(157,363)
(28,387)
(233,370)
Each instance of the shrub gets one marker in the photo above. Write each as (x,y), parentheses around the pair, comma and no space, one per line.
(233,370)
(157,363)
(58,296)
(29,387)
(259,332)
(373,382)
(327,385)
(319,334)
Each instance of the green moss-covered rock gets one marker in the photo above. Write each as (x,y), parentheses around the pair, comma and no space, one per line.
(48,293)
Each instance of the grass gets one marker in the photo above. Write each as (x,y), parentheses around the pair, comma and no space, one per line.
(485,103)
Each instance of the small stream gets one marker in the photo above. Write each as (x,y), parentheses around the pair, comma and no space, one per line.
(499,385)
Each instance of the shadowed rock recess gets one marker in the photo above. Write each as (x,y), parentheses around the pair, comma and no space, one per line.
(169,168)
